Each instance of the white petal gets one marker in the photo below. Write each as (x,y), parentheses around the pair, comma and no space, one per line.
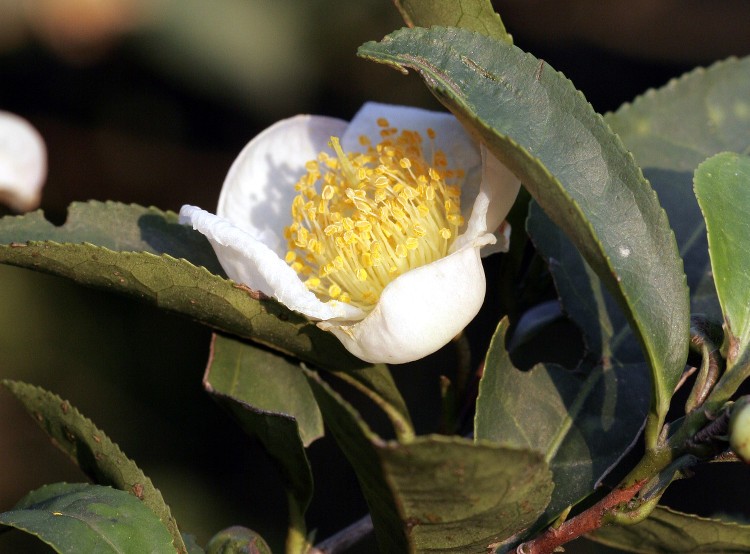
(250,262)
(258,191)
(418,312)
(502,187)
(23,163)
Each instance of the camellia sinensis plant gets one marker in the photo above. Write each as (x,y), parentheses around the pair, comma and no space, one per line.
(339,247)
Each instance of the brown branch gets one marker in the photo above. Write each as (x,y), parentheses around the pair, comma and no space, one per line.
(589,520)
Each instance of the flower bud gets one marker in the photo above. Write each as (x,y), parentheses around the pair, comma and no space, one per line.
(739,429)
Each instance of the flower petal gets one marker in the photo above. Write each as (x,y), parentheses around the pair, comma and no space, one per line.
(258,191)
(418,312)
(23,163)
(250,262)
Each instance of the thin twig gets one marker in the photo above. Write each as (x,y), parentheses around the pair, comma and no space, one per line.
(585,522)
(345,538)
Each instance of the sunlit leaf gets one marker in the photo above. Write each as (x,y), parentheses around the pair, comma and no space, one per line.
(437,493)
(88,447)
(532,118)
(673,129)
(80,517)
(722,186)
(666,531)
(473,15)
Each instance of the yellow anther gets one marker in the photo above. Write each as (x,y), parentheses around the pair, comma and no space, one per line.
(382,122)
(373,209)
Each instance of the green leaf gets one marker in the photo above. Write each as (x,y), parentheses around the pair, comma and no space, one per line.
(532,118)
(270,398)
(702,113)
(473,15)
(88,447)
(722,186)
(118,227)
(673,129)
(666,530)
(581,422)
(153,273)
(237,540)
(79,518)
(437,493)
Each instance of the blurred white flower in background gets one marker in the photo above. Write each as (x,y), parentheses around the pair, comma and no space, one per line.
(23,163)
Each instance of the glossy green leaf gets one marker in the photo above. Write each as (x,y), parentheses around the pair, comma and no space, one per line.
(437,493)
(271,399)
(145,265)
(666,531)
(82,518)
(532,118)
(722,186)
(237,540)
(473,15)
(673,129)
(581,422)
(88,447)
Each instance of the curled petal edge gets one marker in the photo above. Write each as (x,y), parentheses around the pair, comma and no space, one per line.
(250,262)
(420,311)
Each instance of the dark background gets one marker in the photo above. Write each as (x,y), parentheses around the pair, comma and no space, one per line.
(149,102)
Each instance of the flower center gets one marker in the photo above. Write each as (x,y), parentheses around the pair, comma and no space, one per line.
(378,214)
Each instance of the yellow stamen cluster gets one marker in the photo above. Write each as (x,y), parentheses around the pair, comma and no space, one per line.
(375,216)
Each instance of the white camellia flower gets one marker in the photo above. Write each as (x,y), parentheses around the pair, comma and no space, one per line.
(372,228)
(23,163)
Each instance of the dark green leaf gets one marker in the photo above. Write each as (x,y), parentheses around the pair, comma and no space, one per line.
(80,518)
(178,285)
(722,185)
(666,531)
(574,166)
(96,455)
(673,129)
(582,423)
(270,398)
(474,15)
(118,227)
(437,493)
(237,540)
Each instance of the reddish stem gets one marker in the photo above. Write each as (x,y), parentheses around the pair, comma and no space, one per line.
(585,522)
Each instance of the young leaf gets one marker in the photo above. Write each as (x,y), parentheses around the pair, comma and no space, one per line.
(473,15)
(88,447)
(437,493)
(574,166)
(270,398)
(80,517)
(666,530)
(722,186)
(581,422)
